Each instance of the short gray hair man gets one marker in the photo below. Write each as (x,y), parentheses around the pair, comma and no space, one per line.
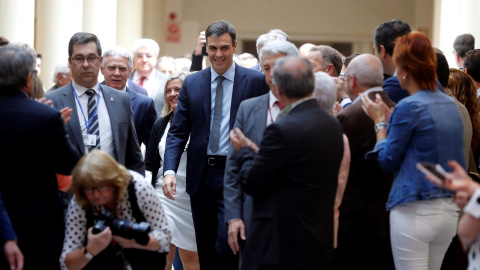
(16,64)
(147,43)
(325,91)
(364,72)
(294,77)
(119,51)
(270,36)
(278,46)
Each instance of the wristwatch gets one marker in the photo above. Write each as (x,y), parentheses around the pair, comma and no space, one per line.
(379,126)
(88,255)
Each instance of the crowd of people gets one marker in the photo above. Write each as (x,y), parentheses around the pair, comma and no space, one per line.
(301,159)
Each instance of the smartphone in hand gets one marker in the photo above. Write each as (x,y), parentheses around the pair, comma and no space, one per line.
(435,171)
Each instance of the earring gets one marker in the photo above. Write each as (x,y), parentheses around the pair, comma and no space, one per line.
(404,77)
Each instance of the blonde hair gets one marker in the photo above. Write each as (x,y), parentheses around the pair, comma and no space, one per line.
(167,109)
(97,168)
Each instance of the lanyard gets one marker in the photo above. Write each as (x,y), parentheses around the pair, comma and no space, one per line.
(94,113)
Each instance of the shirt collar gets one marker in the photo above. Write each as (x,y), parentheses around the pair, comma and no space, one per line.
(290,107)
(81,89)
(229,74)
(271,99)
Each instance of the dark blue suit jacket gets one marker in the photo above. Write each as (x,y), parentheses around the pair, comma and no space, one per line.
(137,88)
(34,146)
(144,115)
(6,229)
(192,117)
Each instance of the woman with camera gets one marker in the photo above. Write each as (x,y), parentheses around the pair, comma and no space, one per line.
(424,127)
(106,193)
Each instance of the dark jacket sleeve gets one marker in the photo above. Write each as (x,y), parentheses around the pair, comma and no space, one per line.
(196,62)
(152,155)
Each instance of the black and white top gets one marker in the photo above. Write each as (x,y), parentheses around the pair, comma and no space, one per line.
(473,208)
(149,204)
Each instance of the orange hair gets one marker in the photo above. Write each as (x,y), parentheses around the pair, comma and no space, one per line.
(414,53)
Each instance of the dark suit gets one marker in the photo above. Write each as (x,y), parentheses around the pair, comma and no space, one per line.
(293,182)
(125,144)
(34,146)
(204,182)
(252,120)
(6,229)
(158,87)
(144,115)
(137,88)
(396,92)
(363,233)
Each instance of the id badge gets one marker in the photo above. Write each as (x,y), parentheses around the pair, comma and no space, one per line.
(90,140)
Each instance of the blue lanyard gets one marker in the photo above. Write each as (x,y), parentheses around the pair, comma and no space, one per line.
(94,113)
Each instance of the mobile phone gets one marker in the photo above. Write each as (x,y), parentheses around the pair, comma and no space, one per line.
(431,169)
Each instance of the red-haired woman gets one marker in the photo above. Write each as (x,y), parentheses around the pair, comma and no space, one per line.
(424,127)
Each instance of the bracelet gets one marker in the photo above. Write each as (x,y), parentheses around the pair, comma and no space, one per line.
(380,125)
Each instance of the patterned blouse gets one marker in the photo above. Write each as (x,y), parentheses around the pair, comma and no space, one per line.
(149,204)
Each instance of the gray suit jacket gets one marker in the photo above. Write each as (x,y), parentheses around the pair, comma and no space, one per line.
(252,120)
(157,91)
(126,149)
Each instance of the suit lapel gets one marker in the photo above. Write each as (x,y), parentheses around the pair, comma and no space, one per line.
(69,100)
(112,105)
(238,89)
(205,89)
(261,111)
(133,102)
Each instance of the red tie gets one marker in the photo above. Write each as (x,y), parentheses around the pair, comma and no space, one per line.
(141,80)
(280,105)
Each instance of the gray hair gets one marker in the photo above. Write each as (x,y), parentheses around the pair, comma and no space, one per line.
(329,56)
(367,70)
(279,46)
(279,32)
(325,90)
(15,63)
(182,64)
(147,43)
(165,59)
(121,52)
(167,109)
(294,76)
(60,68)
(270,36)
(463,44)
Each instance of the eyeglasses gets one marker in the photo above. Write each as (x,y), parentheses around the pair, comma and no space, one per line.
(100,189)
(461,69)
(79,60)
(141,55)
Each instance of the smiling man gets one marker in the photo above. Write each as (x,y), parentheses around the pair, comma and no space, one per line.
(101,116)
(117,66)
(207,107)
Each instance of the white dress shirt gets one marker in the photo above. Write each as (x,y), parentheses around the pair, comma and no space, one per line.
(105,127)
(273,108)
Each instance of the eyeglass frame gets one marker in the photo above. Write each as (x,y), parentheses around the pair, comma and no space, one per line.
(88,58)
(100,189)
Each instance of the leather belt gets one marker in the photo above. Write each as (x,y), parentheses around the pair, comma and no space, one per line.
(216,160)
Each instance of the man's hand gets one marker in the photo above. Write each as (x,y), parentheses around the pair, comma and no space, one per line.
(66,112)
(98,242)
(169,186)
(200,43)
(238,141)
(235,227)
(14,255)
(341,92)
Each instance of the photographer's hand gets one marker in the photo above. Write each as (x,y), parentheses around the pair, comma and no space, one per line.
(98,242)
(152,244)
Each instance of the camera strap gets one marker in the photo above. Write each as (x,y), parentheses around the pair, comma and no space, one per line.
(132,198)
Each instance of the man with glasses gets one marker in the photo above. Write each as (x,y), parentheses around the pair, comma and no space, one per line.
(145,60)
(101,116)
(34,147)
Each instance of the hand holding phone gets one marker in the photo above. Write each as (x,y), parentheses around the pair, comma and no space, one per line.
(433,172)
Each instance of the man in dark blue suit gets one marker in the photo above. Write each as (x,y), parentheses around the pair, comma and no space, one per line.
(117,66)
(34,146)
(207,107)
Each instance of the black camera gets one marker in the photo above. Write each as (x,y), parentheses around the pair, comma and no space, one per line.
(122,227)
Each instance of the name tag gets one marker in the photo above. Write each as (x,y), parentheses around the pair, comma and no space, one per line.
(89,140)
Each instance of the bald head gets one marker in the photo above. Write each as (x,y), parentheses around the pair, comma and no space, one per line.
(305,49)
(364,72)
(294,77)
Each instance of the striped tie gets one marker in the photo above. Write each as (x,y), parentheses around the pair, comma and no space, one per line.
(94,126)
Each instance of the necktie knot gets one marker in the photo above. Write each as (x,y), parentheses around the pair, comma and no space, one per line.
(142,79)
(90,93)
(220,79)
(280,105)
